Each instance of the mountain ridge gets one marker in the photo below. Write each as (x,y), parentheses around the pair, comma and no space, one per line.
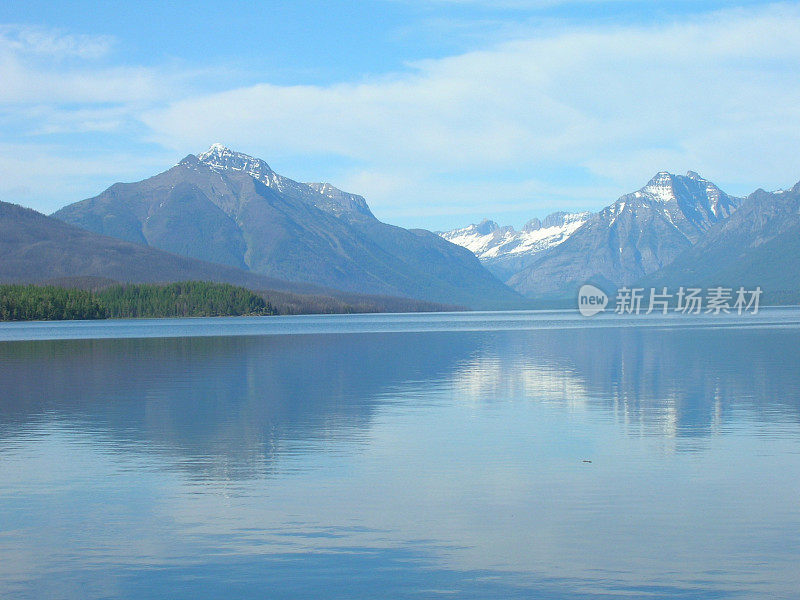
(231,208)
(504,250)
(38,248)
(638,234)
(757,246)
(45,251)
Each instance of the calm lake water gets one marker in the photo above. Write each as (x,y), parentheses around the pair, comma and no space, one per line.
(402,456)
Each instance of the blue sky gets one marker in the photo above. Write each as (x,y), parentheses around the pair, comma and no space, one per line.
(440,112)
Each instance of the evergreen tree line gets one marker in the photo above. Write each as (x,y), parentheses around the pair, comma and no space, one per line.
(184,299)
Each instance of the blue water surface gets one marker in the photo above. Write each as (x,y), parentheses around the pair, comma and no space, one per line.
(460,455)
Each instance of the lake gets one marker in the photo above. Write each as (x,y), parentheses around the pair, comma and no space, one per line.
(461,455)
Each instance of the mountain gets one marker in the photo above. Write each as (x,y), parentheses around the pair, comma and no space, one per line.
(637,235)
(759,245)
(230,208)
(505,251)
(40,249)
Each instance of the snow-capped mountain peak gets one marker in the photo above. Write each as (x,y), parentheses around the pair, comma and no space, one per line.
(660,187)
(486,227)
(219,158)
(490,242)
(216,149)
(227,162)
(689,202)
(556,219)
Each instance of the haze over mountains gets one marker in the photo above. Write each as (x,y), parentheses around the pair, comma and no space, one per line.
(230,208)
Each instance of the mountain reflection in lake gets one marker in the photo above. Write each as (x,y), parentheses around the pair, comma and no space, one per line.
(404,464)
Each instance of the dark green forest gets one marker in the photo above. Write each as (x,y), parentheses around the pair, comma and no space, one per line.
(185,299)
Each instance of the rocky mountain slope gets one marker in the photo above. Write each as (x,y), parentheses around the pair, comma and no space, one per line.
(637,235)
(40,249)
(230,208)
(758,245)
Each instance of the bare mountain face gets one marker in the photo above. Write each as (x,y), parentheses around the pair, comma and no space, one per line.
(230,208)
(637,235)
(40,249)
(759,245)
(505,251)
(37,248)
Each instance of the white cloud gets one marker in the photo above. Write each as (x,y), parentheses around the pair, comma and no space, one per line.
(714,92)
(52,83)
(26,83)
(40,41)
(482,132)
(45,67)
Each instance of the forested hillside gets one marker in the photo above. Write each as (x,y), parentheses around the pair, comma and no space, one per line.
(185,299)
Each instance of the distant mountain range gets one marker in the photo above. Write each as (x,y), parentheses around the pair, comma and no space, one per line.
(226,216)
(505,251)
(232,209)
(637,235)
(676,229)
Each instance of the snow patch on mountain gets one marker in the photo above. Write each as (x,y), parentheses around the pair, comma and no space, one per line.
(220,159)
(689,203)
(489,241)
(324,196)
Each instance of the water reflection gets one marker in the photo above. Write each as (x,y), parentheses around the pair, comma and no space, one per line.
(676,382)
(403,465)
(243,397)
(239,401)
